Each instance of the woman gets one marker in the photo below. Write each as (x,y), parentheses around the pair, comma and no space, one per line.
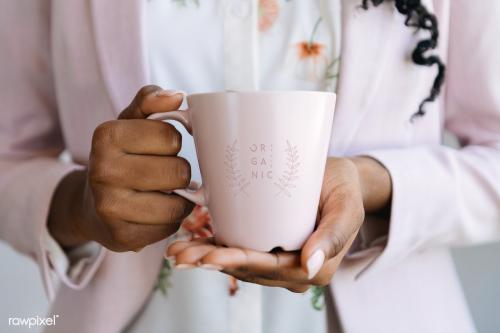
(70,68)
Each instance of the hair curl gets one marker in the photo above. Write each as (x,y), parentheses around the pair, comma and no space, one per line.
(418,16)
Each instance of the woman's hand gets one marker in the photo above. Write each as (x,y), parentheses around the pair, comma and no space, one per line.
(117,200)
(351,187)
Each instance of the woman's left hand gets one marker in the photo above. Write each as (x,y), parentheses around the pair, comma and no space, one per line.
(350,187)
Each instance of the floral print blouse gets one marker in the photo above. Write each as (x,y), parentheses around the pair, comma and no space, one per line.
(213,45)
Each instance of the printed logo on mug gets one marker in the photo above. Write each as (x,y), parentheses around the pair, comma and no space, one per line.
(262,157)
(260,168)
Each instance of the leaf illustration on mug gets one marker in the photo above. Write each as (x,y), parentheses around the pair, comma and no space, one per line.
(234,175)
(290,174)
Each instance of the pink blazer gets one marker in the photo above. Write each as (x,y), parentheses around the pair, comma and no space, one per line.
(67,66)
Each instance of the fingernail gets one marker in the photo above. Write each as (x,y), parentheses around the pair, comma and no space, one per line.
(184,266)
(168,93)
(212,267)
(314,263)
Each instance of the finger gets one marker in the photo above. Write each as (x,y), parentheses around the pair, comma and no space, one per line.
(143,207)
(333,237)
(192,255)
(279,266)
(130,236)
(137,136)
(152,99)
(151,173)
(178,246)
(294,287)
(325,274)
(286,267)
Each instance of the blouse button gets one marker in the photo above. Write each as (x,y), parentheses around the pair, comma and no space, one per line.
(240,8)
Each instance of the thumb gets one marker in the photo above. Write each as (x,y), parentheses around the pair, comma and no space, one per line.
(152,99)
(332,238)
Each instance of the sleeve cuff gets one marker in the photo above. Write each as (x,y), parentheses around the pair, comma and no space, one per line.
(371,239)
(74,268)
(411,223)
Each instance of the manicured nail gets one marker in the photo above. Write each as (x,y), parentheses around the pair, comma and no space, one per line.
(168,93)
(212,267)
(314,263)
(184,266)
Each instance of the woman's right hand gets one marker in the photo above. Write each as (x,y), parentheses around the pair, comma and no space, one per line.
(117,201)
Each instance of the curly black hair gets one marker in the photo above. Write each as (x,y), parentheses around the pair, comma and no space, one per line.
(418,16)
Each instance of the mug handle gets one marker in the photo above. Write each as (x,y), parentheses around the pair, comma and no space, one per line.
(195,192)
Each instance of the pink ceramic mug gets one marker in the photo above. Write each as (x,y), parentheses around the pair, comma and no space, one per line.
(262,157)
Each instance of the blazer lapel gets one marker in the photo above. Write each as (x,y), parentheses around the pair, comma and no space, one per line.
(120,45)
(366,37)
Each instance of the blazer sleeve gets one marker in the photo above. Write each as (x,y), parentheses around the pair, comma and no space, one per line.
(444,196)
(30,139)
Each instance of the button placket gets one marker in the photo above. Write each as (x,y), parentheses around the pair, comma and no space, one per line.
(240,8)
(241,61)
(245,314)
(241,65)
